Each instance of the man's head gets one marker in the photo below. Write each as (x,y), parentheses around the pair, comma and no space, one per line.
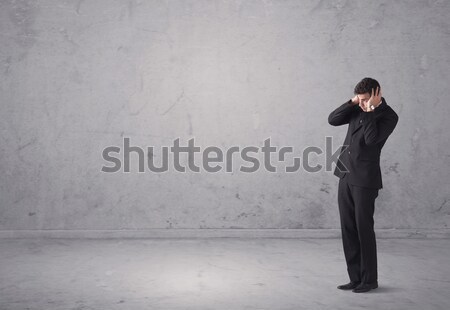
(364,89)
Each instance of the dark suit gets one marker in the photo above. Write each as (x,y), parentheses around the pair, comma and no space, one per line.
(359,171)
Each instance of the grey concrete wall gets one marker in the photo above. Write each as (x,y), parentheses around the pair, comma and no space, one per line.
(78,76)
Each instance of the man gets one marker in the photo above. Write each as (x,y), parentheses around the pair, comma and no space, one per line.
(371,121)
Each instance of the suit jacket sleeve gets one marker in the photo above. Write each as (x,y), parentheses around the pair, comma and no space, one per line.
(342,114)
(377,130)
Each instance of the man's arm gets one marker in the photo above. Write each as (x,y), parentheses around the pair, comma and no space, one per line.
(342,114)
(375,132)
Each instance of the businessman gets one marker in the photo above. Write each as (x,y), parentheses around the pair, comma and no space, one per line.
(370,122)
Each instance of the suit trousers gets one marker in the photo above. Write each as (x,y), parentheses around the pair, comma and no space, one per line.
(356,209)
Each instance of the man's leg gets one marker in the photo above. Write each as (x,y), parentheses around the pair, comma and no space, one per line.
(364,199)
(349,230)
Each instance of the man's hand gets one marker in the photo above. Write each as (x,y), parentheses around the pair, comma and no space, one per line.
(355,100)
(375,100)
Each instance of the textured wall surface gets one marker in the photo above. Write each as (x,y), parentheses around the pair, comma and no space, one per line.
(78,76)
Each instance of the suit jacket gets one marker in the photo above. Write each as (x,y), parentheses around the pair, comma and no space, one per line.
(367,133)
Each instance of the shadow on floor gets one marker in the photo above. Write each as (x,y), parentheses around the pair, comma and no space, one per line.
(387,289)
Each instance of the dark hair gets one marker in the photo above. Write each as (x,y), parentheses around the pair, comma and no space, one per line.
(366,85)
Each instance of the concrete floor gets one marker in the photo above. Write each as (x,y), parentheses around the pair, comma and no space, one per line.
(215,274)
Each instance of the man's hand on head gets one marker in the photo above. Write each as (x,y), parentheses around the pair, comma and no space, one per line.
(375,100)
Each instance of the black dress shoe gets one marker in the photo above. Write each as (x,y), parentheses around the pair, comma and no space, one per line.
(348,286)
(365,287)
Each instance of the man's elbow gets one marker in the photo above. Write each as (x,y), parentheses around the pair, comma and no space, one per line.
(332,121)
(395,120)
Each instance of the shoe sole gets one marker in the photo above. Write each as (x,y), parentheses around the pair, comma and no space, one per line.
(365,291)
(346,289)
